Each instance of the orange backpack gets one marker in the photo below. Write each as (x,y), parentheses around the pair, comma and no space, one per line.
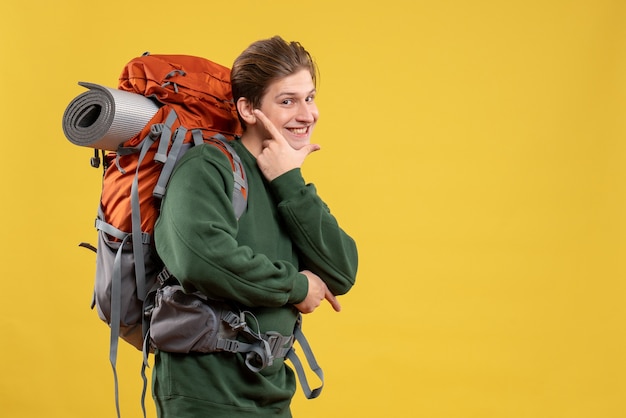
(195,106)
(198,91)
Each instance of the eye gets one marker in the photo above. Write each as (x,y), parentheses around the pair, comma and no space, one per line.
(310,98)
(287,102)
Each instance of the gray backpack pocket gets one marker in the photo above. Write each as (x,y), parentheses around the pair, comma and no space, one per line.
(187,322)
(115,292)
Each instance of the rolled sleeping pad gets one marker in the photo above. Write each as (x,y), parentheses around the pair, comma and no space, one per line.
(104,118)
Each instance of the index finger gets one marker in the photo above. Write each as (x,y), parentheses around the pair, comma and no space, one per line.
(332,299)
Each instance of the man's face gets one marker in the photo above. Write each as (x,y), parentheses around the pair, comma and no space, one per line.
(289,104)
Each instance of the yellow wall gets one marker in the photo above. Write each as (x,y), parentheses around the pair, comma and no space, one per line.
(475,149)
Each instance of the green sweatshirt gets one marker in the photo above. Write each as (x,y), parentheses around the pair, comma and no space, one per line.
(254,262)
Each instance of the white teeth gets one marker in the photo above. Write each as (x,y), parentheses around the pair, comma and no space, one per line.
(298,131)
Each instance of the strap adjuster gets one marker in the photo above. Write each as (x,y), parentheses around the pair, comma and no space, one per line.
(279,344)
(228,345)
(164,276)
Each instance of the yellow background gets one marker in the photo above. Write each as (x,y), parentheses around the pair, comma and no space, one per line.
(474,149)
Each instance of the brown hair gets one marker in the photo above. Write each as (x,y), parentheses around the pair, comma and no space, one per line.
(264,62)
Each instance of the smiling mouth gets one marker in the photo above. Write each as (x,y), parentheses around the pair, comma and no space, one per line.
(299,131)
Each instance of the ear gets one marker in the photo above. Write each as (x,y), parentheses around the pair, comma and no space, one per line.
(246,111)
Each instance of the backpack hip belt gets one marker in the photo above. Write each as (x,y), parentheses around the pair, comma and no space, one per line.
(209,326)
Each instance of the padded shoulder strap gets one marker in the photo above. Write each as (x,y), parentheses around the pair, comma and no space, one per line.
(240,190)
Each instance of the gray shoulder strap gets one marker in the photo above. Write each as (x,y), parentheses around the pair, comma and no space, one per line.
(240,190)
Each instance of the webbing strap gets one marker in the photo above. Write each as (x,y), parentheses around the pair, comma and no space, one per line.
(172,157)
(109,229)
(116,298)
(144,378)
(138,238)
(166,135)
(255,354)
(144,389)
(196,134)
(308,353)
(137,234)
(261,353)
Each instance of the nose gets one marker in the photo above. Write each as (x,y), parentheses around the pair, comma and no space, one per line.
(307,112)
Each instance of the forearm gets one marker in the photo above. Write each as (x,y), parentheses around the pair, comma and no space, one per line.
(325,248)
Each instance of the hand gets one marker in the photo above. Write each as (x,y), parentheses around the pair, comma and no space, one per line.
(318,291)
(278,156)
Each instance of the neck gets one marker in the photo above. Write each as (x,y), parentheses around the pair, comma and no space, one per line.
(252,142)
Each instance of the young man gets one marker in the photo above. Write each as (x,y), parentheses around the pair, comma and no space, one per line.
(285,255)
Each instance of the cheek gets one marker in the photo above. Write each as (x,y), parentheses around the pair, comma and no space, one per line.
(280,120)
(277,116)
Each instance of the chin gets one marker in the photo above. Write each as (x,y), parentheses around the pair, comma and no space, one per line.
(300,143)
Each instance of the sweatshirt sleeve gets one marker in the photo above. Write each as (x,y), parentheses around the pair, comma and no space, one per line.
(195,237)
(326,249)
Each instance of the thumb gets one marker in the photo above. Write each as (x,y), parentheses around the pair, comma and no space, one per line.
(310,148)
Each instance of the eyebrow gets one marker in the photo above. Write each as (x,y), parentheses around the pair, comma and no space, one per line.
(287,93)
